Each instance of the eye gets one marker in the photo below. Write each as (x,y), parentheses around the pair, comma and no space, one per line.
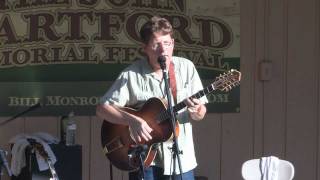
(165,44)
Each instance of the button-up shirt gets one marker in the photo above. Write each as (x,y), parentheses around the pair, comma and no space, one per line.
(138,82)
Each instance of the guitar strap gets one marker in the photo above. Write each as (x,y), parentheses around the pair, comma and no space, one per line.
(173,83)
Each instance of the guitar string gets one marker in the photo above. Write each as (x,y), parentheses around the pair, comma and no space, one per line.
(164,114)
(227,79)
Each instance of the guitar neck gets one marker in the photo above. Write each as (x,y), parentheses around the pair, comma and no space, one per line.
(224,83)
(197,95)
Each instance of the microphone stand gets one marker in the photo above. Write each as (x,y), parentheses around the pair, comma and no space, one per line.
(31,108)
(3,160)
(4,163)
(1,167)
(175,146)
(0,171)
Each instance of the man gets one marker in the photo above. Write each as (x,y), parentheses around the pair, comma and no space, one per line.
(143,80)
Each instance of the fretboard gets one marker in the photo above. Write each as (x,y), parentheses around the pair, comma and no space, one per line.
(224,83)
(166,114)
(197,95)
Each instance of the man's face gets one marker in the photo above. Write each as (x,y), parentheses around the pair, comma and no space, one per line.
(159,45)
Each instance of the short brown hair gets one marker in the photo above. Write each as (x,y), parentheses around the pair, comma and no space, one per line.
(155,25)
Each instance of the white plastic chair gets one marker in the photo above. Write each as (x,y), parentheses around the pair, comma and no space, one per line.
(251,170)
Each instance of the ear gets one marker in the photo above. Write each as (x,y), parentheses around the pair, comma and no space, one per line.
(144,46)
(144,49)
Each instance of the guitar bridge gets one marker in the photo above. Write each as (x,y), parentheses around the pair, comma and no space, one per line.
(113,145)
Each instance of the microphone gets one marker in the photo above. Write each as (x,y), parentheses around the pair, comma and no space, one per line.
(4,161)
(162,62)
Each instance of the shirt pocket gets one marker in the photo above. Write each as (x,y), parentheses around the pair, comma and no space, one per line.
(183,92)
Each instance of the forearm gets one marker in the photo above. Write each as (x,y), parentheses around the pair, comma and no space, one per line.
(138,127)
(113,114)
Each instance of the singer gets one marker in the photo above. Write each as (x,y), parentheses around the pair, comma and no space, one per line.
(143,80)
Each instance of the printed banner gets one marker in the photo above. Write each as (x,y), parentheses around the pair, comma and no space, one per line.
(74,49)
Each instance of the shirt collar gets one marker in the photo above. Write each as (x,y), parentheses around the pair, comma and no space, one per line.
(147,69)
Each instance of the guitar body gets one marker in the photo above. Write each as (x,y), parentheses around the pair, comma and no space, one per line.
(117,142)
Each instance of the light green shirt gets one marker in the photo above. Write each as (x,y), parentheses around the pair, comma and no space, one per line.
(137,83)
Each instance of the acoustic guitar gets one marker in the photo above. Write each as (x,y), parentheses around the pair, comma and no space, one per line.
(116,139)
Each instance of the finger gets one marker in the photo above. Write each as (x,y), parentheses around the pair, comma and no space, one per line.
(137,138)
(133,134)
(146,131)
(147,136)
(188,102)
(192,110)
(144,136)
(196,101)
(146,126)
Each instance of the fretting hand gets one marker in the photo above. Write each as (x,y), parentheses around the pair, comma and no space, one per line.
(195,108)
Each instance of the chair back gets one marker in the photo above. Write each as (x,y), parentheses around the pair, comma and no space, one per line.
(251,170)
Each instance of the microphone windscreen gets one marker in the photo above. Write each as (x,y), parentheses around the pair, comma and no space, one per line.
(162,62)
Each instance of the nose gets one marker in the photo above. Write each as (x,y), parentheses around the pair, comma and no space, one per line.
(161,48)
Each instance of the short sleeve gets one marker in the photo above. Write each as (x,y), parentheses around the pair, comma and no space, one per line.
(196,83)
(118,93)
